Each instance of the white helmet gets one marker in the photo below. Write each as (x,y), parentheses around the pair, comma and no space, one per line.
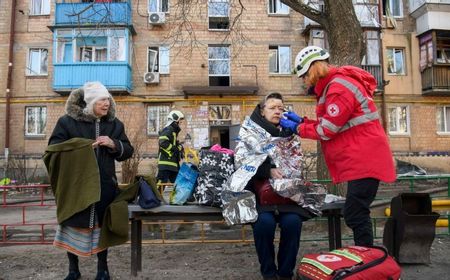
(307,56)
(175,115)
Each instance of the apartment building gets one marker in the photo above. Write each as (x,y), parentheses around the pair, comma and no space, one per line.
(151,65)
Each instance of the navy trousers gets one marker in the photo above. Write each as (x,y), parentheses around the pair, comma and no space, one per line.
(264,234)
(360,194)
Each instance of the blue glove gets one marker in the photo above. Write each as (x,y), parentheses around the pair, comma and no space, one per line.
(293,117)
(288,124)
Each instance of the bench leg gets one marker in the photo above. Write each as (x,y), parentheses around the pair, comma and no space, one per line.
(334,230)
(136,246)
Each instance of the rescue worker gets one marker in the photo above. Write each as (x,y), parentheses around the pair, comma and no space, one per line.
(170,150)
(353,141)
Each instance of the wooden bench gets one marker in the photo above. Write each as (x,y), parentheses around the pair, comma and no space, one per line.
(203,213)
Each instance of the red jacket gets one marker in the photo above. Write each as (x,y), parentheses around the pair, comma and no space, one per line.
(353,141)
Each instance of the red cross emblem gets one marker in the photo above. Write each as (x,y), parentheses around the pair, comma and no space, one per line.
(333,110)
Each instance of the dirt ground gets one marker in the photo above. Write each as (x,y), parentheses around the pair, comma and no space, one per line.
(183,261)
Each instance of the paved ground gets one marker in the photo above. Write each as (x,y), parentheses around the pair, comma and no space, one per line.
(183,261)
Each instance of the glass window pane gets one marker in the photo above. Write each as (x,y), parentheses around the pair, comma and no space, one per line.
(285,61)
(153,5)
(117,49)
(218,8)
(34,63)
(156,118)
(403,120)
(164,6)
(219,67)
(152,57)
(164,60)
(44,61)
(46,7)
(218,53)
(273,60)
(392,119)
(282,8)
(399,61)
(440,119)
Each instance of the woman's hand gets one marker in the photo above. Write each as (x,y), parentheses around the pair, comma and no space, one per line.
(275,173)
(104,141)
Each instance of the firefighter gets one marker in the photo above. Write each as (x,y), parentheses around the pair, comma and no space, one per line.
(353,141)
(170,150)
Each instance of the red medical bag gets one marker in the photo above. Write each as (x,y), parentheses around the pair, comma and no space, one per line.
(352,263)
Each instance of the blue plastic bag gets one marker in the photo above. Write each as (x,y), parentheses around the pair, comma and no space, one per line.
(184,184)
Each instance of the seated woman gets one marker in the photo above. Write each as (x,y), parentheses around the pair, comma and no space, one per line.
(289,217)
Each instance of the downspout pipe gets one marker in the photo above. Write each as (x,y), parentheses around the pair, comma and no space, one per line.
(383,82)
(9,82)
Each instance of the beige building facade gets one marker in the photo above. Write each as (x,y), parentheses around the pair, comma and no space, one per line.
(134,49)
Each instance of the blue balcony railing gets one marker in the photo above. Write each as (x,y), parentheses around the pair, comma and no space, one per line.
(76,14)
(116,76)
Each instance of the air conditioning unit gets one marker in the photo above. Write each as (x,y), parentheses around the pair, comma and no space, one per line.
(151,78)
(157,18)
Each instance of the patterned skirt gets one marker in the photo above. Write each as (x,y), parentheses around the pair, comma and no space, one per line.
(79,241)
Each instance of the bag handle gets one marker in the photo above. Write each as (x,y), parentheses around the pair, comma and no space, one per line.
(345,272)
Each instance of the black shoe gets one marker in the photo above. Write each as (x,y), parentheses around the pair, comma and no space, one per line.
(73,275)
(102,275)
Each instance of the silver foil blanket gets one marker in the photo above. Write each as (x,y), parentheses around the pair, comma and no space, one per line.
(255,144)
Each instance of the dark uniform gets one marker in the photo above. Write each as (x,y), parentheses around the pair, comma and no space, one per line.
(170,153)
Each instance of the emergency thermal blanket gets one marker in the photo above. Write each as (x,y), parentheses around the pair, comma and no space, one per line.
(255,145)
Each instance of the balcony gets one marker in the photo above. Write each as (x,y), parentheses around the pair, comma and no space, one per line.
(430,14)
(116,76)
(88,14)
(375,70)
(436,80)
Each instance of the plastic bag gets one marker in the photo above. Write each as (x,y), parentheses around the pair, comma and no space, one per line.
(184,184)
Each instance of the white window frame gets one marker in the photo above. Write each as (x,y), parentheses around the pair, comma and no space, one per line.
(44,8)
(372,43)
(218,15)
(29,71)
(163,54)
(442,114)
(161,111)
(394,50)
(277,6)
(40,120)
(398,110)
(400,8)
(278,59)
(159,6)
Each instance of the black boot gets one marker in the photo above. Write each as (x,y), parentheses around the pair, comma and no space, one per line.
(73,275)
(102,275)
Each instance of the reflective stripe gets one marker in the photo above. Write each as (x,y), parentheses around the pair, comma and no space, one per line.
(163,138)
(317,264)
(319,130)
(347,254)
(168,163)
(121,149)
(359,96)
(363,100)
(329,125)
(361,120)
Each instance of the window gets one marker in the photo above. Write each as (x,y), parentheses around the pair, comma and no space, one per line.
(276,7)
(37,62)
(372,56)
(442,46)
(40,7)
(395,61)
(156,118)
(426,51)
(279,59)
(90,45)
(317,38)
(158,6)
(218,14)
(392,8)
(158,59)
(399,120)
(443,119)
(219,65)
(35,121)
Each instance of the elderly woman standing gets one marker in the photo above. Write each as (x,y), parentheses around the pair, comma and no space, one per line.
(90,114)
